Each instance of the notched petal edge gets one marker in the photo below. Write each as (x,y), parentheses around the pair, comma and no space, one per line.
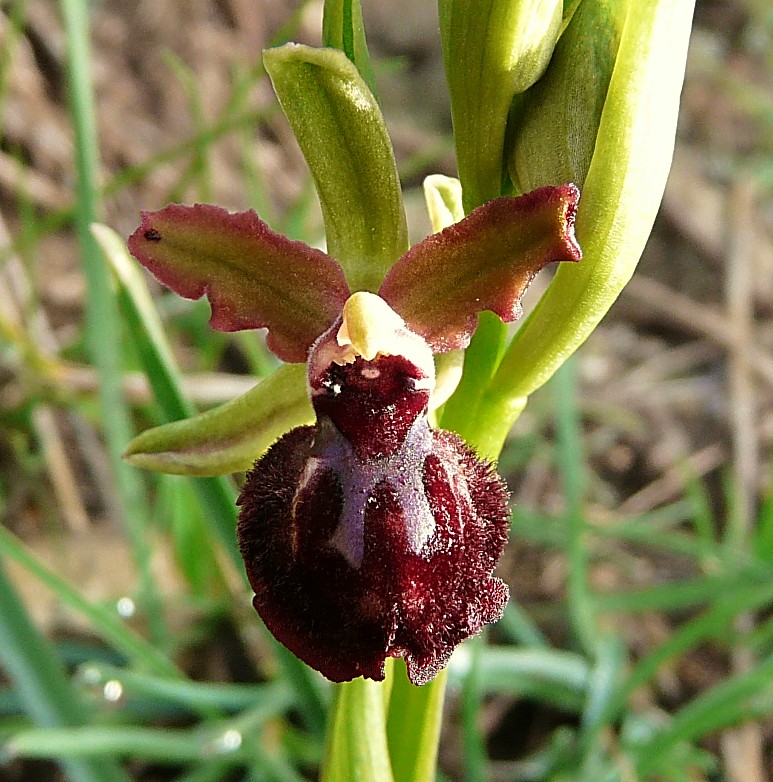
(484,262)
(252,276)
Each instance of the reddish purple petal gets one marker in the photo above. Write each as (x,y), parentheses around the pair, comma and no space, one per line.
(484,262)
(252,276)
(357,553)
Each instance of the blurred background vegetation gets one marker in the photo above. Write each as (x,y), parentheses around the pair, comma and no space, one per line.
(640,475)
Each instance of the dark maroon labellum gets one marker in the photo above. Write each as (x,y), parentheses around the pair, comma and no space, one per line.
(371,535)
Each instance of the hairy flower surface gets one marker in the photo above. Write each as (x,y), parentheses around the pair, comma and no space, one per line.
(371,535)
(368,534)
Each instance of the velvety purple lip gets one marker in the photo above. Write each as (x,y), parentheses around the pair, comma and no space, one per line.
(368,535)
(358,553)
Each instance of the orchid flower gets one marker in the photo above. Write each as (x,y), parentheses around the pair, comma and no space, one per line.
(369,534)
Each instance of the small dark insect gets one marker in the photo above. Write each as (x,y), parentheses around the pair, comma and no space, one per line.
(152,235)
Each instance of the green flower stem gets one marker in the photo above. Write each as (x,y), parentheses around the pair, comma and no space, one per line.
(357,743)
(342,28)
(413,725)
(621,196)
(466,411)
(475,758)
(42,683)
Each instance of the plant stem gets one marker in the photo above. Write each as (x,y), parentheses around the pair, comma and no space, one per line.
(413,726)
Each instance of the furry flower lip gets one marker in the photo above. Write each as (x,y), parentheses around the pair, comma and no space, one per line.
(369,534)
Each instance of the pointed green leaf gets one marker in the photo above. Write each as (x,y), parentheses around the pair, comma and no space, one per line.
(252,276)
(493,50)
(228,438)
(343,137)
(342,28)
(484,262)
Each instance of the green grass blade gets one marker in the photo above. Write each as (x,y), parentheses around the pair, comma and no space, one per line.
(681,594)
(103,334)
(715,623)
(311,690)
(727,703)
(216,495)
(235,741)
(105,621)
(42,683)
(518,626)
(603,686)
(145,326)
(571,466)
(120,741)
(274,696)
(603,682)
(502,667)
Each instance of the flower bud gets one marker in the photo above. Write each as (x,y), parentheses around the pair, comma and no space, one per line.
(558,118)
(493,50)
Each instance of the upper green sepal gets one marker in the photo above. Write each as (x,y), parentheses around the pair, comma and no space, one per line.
(252,276)
(230,437)
(344,139)
(484,262)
